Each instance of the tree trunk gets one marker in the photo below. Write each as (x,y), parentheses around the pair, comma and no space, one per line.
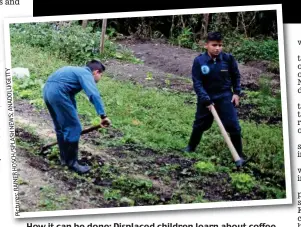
(103,32)
(205,24)
(84,23)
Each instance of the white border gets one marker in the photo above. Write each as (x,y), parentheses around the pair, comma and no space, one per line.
(277,7)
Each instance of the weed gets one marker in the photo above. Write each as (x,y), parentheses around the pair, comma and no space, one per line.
(49,200)
(21,181)
(243,182)
(205,167)
(112,194)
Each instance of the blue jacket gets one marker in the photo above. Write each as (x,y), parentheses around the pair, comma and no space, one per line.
(74,79)
(214,79)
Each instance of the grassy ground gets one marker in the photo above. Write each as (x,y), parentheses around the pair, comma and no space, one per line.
(161,120)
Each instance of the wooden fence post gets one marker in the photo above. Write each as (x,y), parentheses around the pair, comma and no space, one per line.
(103,32)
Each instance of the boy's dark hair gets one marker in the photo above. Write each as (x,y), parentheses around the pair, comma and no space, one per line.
(214,36)
(96,65)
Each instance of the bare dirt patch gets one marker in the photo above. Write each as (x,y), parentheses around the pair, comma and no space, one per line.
(148,76)
(178,61)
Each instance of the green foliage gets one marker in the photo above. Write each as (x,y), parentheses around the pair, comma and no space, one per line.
(264,102)
(107,171)
(41,65)
(243,48)
(221,22)
(263,105)
(132,185)
(127,201)
(273,192)
(138,189)
(112,194)
(249,49)
(243,182)
(206,167)
(73,43)
(51,200)
(185,39)
(273,67)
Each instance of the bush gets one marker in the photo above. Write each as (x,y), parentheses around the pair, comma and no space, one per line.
(251,49)
(244,49)
(73,43)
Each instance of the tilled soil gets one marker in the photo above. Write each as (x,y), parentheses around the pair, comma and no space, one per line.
(125,169)
(41,186)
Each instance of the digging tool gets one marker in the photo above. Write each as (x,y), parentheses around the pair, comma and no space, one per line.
(238,161)
(85,131)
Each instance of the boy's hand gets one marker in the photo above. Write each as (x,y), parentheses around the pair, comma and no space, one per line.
(106,122)
(210,106)
(235,100)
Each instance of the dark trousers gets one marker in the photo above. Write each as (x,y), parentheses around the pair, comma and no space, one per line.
(63,112)
(228,115)
(65,118)
(226,111)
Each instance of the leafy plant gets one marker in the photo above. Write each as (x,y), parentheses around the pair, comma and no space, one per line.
(206,167)
(112,194)
(242,182)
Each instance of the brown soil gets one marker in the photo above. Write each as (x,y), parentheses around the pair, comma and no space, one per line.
(172,175)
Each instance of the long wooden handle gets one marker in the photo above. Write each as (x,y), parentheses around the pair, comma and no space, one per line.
(225,135)
(83,132)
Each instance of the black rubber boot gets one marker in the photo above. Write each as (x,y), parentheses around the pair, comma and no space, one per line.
(62,148)
(194,140)
(237,143)
(72,161)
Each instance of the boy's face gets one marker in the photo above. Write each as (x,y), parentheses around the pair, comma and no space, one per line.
(214,47)
(97,75)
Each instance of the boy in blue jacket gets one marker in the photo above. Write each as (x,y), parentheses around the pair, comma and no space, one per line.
(59,95)
(216,81)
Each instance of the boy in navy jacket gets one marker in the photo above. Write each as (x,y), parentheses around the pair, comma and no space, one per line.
(216,81)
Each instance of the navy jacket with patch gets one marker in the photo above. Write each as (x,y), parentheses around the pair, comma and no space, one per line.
(215,78)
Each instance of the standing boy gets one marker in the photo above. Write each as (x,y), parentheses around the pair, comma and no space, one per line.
(216,81)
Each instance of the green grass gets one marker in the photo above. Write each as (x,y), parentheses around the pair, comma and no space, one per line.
(49,199)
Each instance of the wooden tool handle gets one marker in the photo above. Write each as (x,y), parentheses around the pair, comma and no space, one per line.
(225,135)
(91,129)
(83,132)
